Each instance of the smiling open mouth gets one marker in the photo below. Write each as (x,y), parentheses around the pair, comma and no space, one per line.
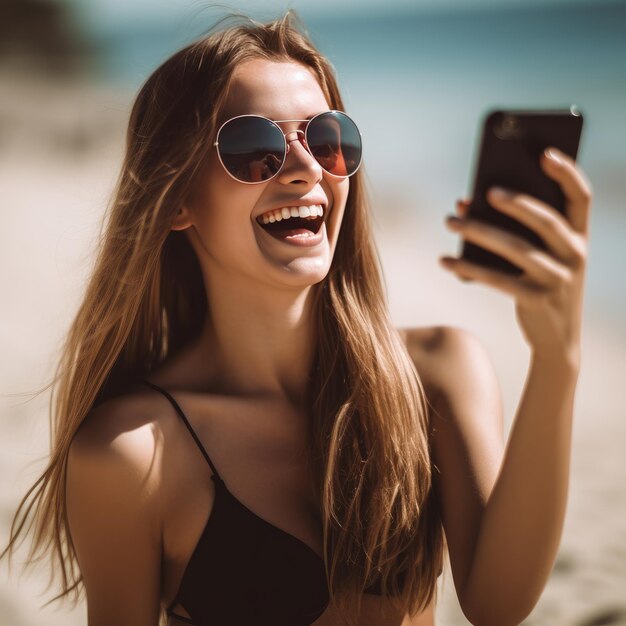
(295,225)
(292,221)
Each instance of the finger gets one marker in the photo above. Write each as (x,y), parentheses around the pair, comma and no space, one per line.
(539,266)
(546,221)
(574,183)
(466,270)
(462,206)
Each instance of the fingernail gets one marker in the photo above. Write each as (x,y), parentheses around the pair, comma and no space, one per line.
(552,154)
(499,192)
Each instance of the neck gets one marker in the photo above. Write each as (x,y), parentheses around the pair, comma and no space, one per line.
(259,343)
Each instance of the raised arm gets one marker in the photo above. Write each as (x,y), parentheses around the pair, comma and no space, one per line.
(114,521)
(517,537)
(503,507)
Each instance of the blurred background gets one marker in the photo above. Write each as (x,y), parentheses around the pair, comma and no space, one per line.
(418,77)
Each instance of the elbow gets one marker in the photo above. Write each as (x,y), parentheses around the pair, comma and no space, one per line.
(500,596)
(495,611)
(492,618)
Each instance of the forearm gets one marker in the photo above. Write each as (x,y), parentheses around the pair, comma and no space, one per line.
(522,522)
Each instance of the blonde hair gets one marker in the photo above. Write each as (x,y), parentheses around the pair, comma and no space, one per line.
(145,301)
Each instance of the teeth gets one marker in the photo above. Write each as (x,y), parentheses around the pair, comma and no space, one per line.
(286,212)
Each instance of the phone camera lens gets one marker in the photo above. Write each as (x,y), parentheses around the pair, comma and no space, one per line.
(508,127)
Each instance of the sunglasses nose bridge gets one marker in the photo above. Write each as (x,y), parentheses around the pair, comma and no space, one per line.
(291,132)
(300,135)
(294,135)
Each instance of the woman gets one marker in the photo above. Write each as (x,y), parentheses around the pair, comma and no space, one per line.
(241,435)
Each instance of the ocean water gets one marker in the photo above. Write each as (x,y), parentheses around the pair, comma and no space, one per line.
(419,83)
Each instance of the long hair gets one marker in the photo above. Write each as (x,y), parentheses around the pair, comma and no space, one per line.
(145,301)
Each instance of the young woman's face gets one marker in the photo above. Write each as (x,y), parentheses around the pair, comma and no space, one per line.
(228,238)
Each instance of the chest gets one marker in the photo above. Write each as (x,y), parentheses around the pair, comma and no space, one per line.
(262,453)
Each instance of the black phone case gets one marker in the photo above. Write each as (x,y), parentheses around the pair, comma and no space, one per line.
(510,149)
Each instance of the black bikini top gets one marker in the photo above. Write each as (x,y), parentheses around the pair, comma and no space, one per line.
(245,570)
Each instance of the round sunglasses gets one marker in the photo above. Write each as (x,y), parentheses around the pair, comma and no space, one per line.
(253,149)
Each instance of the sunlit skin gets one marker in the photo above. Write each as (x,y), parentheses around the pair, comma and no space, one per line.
(269,352)
(514,534)
(502,503)
(497,508)
(549,294)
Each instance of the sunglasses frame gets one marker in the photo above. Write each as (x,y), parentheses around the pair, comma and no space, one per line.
(284,134)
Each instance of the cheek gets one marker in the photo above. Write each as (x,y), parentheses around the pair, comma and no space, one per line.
(337,193)
(344,188)
(222,210)
(223,206)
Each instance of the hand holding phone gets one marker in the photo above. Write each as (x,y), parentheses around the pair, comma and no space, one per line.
(511,145)
(547,249)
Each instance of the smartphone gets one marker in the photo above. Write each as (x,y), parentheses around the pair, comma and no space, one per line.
(511,145)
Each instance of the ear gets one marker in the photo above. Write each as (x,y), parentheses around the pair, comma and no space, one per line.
(183,219)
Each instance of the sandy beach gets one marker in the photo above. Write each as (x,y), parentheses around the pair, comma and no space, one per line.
(57,167)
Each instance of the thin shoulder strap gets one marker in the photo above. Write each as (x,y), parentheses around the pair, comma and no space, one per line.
(186,421)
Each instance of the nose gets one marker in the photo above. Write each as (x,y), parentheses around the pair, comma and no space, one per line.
(300,165)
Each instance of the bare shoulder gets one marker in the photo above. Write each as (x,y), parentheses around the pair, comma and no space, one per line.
(448,358)
(117,446)
(430,349)
(118,456)
(114,512)
(124,426)
(121,434)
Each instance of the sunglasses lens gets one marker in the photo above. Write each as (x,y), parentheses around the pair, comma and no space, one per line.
(334,140)
(252,148)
